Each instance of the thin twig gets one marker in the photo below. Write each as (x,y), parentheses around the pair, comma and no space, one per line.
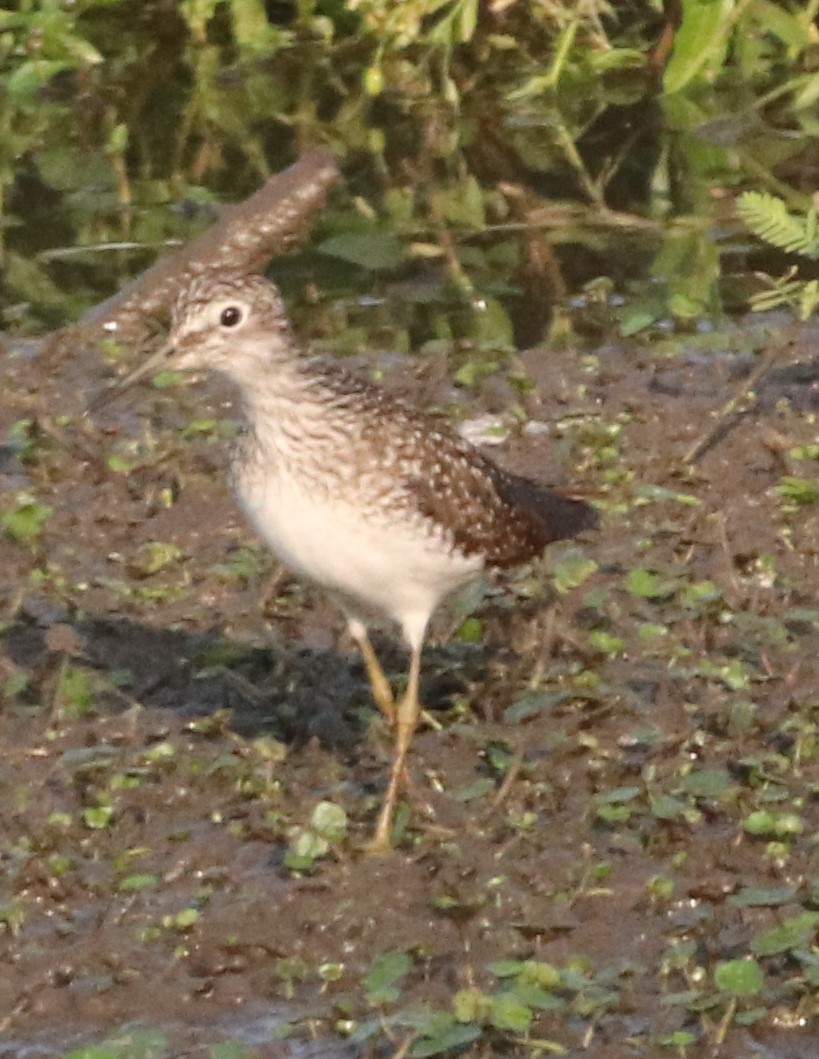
(732,410)
(510,777)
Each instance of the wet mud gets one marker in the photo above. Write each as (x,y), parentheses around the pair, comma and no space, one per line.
(175,707)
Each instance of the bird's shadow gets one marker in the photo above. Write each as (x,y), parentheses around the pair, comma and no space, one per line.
(295,694)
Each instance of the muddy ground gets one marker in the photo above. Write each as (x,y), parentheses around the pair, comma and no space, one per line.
(622,785)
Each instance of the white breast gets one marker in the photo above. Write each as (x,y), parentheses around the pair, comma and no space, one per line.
(396,566)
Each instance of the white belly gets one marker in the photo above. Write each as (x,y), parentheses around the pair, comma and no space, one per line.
(389,566)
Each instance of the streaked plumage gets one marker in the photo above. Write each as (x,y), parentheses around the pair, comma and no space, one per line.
(384,507)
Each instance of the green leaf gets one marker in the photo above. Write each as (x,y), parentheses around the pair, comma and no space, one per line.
(445,1036)
(614,814)
(764,822)
(119,464)
(387,970)
(152,556)
(636,319)
(651,630)
(617,795)
(606,644)
(700,39)
(509,1013)
(799,491)
(794,31)
(25,523)
(31,76)
(539,973)
(507,968)
(74,690)
(133,883)
(532,996)
(373,80)
(470,631)
(491,326)
(471,1005)
(167,380)
(739,977)
(661,492)
(762,897)
(329,821)
(307,847)
(184,919)
(463,204)
(666,807)
(532,703)
(251,29)
(679,1039)
(372,250)
(700,592)
(573,571)
(98,817)
(794,933)
(769,219)
(760,822)
(649,585)
(467,20)
(132,1042)
(706,783)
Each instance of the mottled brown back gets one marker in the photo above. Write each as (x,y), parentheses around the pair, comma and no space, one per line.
(504,517)
(481,508)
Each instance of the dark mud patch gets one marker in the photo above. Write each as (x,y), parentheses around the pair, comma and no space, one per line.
(620,801)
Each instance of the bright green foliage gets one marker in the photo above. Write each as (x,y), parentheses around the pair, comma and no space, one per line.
(648,584)
(25,521)
(740,977)
(799,491)
(770,219)
(700,42)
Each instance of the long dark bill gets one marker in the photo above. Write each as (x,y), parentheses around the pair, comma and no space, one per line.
(152,366)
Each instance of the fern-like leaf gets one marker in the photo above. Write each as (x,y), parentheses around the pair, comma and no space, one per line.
(768,218)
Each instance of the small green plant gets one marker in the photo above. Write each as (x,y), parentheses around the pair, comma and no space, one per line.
(327,827)
(74,693)
(386,976)
(769,218)
(25,521)
(738,981)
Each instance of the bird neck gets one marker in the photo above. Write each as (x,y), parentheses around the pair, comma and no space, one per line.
(284,403)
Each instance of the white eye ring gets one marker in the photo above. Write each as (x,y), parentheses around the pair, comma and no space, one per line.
(230,316)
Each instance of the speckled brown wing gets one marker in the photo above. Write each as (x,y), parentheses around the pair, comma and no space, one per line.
(480,508)
(502,516)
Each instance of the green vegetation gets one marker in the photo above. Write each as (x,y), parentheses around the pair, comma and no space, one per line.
(495,157)
(768,218)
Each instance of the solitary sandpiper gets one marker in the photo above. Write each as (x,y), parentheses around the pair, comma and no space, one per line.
(384,507)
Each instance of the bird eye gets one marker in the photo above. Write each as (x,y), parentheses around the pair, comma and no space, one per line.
(230,317)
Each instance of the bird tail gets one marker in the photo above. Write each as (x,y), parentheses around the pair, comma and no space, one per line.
(559,516)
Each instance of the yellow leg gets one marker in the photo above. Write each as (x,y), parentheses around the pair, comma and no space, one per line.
(379,685)
(406,721)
